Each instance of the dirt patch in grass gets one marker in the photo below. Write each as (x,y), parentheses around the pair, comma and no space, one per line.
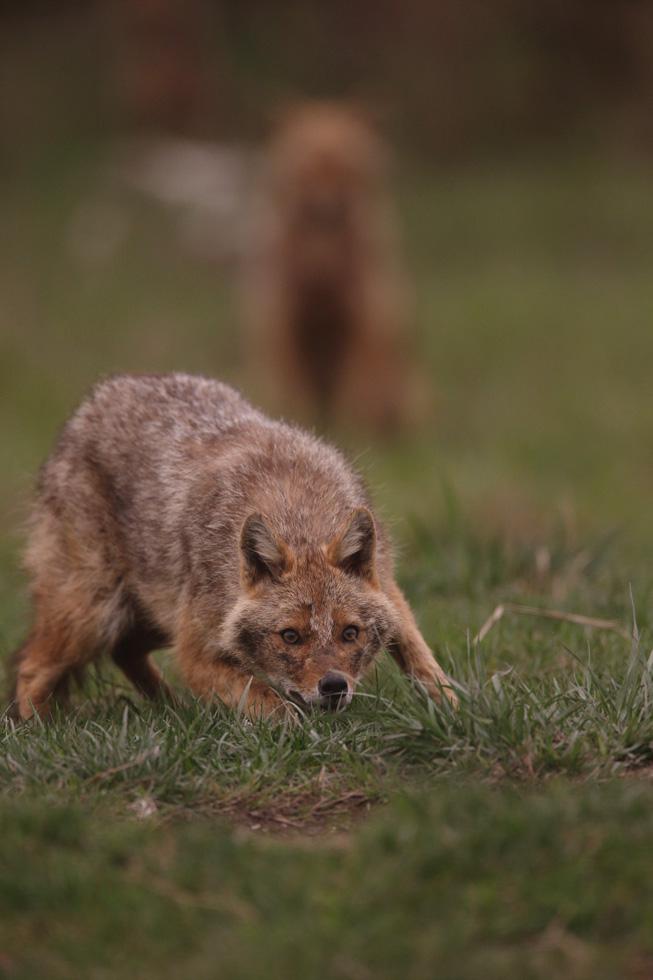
(309,814)
(315,816)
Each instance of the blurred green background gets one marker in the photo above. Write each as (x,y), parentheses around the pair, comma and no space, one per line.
(523,152)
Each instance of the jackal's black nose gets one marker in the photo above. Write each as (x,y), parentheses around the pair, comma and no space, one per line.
(332,688)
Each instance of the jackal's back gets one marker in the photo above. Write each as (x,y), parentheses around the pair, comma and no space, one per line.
(154,475)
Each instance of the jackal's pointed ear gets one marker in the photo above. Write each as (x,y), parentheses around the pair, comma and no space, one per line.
(354,547)
(263,554)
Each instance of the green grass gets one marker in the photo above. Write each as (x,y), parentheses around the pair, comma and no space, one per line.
(582,718)
(470,880)
(396,840)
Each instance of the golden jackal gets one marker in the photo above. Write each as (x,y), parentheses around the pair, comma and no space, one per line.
(172,512)
(325,298)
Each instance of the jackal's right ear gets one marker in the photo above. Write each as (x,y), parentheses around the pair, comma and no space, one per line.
(354,548)
(263,555)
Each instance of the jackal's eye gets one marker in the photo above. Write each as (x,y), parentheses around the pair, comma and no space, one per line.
(290,636)
(350,633)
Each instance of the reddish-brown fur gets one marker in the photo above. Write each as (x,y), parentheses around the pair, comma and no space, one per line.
(324,294)
(172,513)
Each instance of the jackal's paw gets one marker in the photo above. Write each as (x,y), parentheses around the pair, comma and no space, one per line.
(436,683)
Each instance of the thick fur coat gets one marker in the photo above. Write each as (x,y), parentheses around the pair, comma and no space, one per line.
(173,513)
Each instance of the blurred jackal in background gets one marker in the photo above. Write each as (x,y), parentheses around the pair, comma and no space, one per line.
(324,293)
(172,512)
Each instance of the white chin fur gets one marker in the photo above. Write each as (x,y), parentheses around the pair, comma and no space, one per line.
(314,700)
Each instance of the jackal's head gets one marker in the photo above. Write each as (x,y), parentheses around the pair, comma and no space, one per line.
(310,620)
(327,167)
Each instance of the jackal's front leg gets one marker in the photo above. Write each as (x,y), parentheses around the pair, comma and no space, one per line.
(412,653)
(212,678)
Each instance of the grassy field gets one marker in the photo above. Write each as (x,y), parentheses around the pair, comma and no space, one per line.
(514,837)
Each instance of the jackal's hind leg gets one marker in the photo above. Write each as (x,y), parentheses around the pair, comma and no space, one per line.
(43,667)
(131,655)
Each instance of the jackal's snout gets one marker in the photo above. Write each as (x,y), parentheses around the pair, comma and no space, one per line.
(334,691)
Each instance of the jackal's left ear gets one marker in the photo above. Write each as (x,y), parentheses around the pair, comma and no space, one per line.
(354,548)
(263,554)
